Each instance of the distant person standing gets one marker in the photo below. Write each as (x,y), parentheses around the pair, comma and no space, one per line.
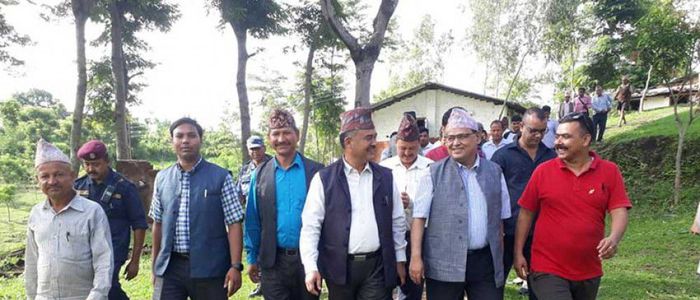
(623,94)
(571,195)
(602,103)
(582,102)
(256,151)
(549,135)
(496,142)
(511,134)
(424,138)
(566,107)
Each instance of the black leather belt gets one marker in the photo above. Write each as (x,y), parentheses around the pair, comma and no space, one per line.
(364,256)
(475,251)
(180,255)
(288,252)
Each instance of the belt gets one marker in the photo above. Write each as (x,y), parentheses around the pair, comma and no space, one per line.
(180,255)
(475,251)
(288,252)
(364,256)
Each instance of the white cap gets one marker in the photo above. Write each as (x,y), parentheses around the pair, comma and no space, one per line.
(460,118)
(46,152)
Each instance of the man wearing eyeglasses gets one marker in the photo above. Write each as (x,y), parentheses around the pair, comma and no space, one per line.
(463,249)
(518,160)
(571,195)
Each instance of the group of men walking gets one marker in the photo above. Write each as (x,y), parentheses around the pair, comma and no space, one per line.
(453,222)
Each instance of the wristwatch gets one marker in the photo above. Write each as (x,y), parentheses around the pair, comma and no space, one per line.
(238,266)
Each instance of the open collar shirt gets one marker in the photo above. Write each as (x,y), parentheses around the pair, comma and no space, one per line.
(414,180)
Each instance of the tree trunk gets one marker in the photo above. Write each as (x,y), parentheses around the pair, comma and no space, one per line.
(512,83)
(241,39)
(646,88)
(307,96)
(682,129)
(76,129)
(119,73)
(363,81)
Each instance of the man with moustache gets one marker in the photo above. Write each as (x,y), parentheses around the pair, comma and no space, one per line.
(496,142)
(121,202)
(197,234)
(353,225)
(518,160)
(69,249)
(461,249)
(256,151)
(412,177)
(277,195)
(571,195)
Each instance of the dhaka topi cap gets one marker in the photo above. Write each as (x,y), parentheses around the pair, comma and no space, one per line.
(93,150)
(408,129)
(460,118)
(281,118)
(356,119)
(46,152)
(254,141)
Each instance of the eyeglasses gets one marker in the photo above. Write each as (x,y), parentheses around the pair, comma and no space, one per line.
(458,137)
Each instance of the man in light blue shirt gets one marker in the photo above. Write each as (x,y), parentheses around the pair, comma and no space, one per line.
(602,103)
(496,142)
(276,198)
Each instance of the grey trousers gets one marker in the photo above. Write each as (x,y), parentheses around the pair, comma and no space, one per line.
(552,287)
(365,282)
(285,280)
(176,284)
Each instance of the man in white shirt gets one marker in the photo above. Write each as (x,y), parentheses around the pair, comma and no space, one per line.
(353,224)
(424,138)
(412,177)
(496,142)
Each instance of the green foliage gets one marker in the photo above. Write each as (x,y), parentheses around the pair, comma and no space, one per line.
(260,18)
(10,37)
(7,195)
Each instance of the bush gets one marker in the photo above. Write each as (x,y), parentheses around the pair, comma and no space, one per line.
(7,195)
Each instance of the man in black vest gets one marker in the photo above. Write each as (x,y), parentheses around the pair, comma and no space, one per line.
(353,232)
(277,194)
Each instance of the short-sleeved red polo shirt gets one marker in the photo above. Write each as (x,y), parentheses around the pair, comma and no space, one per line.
(438,153)
(571,219)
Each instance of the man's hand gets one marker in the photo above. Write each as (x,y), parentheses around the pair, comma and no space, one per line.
(405,200)
(233,281)
(416,271)
(607,248)
(520,265)
(401,271)
(254,273)
(314,283)
(131,270)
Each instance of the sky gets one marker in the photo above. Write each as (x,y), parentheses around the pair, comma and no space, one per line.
(195,75)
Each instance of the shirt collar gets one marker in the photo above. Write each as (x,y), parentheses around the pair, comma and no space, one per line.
(592,154)
(420,163)
(194,168)
(349,169)
(474,167)
(76,203)
(297,161)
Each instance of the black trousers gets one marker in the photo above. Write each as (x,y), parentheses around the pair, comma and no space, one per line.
(365,282)
(508,248)
(599,122)
(116,292)
(479,282)
(285,280)
(553,287)
(176,283)
(410,290)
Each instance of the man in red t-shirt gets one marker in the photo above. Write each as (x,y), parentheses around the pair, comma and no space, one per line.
(571,194)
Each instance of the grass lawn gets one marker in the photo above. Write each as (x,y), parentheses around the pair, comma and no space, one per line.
(656,260)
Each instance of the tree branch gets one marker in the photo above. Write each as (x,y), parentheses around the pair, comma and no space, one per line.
(381,21)
(329,13)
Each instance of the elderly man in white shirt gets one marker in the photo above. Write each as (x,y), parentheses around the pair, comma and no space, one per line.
(69,245)
(353,224)
(412,177)
(496,142)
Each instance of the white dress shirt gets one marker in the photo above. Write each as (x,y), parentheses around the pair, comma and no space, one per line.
(414,180)
(364,234)
(489,148)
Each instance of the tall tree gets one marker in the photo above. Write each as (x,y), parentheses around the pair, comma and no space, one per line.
(81,12)
(260,19)
(9,36)
(123,19)
(363,55)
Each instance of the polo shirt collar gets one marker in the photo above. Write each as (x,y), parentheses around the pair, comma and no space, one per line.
(296,162)
(76,203)
(592,154)
(349,169)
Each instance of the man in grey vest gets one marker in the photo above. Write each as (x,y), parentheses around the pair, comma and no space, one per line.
(276,198)
(463,242)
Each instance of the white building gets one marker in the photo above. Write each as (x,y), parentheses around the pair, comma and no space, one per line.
(429,101)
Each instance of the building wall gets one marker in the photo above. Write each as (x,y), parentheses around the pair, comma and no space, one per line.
(656,102)
(431,104)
